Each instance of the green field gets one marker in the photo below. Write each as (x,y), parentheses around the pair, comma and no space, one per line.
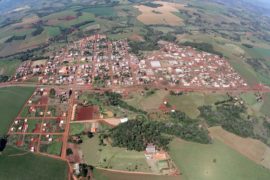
(147,102)
(18,164)
(266,104)
(76,128)
(107,175)
(112,157)
(214,162)
(8,68)
(101,11)
(12,99)
(189,102)
(258,52)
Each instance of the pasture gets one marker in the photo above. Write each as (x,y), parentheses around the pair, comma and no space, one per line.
(253,149)
(147,102)
(108,175)
(112,157)
(189,102)
(18,164)
(12,100)
(8,67)
(266,104)
(101,11)
(214,161)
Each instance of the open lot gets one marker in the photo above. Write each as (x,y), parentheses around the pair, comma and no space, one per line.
(30,166)
(214,161)
(14,99)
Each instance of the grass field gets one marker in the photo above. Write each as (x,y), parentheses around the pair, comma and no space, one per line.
(107,175)
(8,68)
(112,157)
(17,164)
(101,11)
(150,102)
(258,52)
(76,128)
(253,149)
(266,104)
(214,161)
(189,102)
(12,99)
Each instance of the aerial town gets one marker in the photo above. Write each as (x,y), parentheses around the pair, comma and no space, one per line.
(98,62)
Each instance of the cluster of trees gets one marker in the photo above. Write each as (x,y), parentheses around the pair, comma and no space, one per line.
(230,116)
(153,5)
(115,99)
(15,38)
(151,41)
(3,143)
(39,29)
(4,78)
(136,134)
(203,47)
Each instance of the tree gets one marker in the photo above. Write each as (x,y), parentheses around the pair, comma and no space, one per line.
(52,93)
(90,134)
(3,143)
(69,151)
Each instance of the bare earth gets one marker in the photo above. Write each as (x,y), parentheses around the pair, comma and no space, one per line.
(253,149)
(160,15)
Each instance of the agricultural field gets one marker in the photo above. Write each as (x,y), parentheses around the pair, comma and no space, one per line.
(30,166)
(214,161)
(14,98)
(112,157)
(251,148)
(162,14)
(107,175)
(8,67)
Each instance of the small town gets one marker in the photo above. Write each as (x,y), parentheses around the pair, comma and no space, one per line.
(97,62)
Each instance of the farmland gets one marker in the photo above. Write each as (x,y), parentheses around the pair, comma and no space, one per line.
(252,149)
(214,161)
(30,166)
(14,98)
(160,15)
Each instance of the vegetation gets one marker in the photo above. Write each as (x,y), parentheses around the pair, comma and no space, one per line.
(203,47)
(230,117)
(137,134)
(107,156)
(14,98)
(30,166)
(214,161)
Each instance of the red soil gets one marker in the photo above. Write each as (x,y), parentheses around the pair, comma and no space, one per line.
(87,113)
